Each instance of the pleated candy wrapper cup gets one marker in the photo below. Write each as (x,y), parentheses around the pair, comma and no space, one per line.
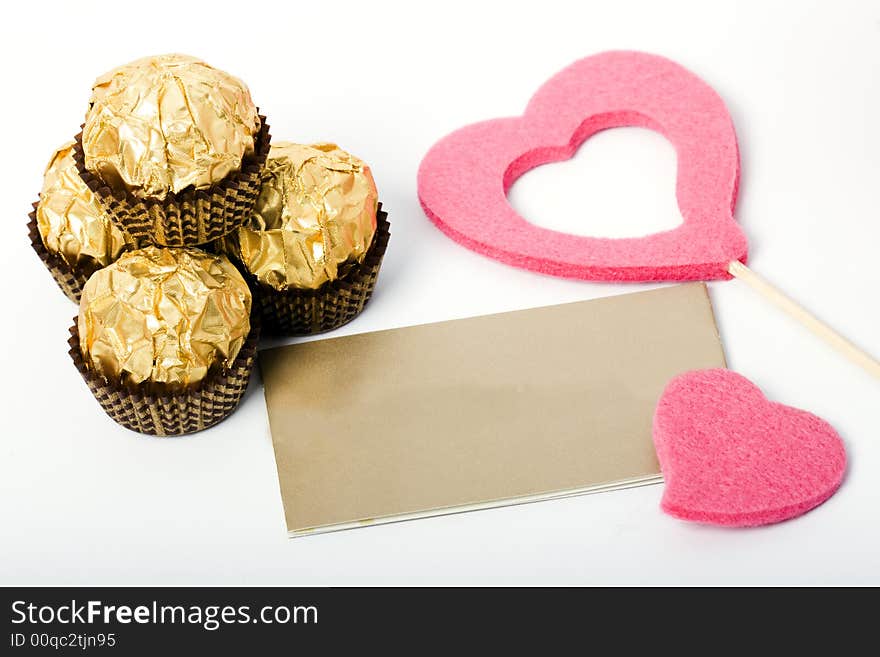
(70,279)
(190,217)
(335,303)
(174,413)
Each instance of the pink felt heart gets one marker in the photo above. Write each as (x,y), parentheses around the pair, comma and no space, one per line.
(464,178)
(732,457)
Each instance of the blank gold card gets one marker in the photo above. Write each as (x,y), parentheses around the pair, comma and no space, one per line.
(481,412)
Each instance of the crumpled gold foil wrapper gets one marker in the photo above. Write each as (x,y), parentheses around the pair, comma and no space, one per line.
(165,316)
(316,213)
(70,219)
(161,124)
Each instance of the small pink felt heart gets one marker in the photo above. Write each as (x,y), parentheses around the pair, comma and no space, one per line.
(731,457)
(464,178)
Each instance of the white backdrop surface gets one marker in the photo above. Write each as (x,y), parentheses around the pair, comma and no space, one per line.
(84,501)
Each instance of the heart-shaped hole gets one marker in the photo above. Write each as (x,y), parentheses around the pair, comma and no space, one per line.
(620,183)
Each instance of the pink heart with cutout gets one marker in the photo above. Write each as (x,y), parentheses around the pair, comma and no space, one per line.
(464,178)
(731,457)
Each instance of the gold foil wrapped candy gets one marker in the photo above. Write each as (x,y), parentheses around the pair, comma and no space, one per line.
(161,124)
(71,221)
(315,214)
(163,316)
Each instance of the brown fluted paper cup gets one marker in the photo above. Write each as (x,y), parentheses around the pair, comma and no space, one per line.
(69,279)
(305,312)
(190,217)
(175,413)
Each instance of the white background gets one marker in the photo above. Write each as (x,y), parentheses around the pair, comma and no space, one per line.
(84,501)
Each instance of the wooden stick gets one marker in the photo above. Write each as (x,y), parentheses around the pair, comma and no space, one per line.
(820,328)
